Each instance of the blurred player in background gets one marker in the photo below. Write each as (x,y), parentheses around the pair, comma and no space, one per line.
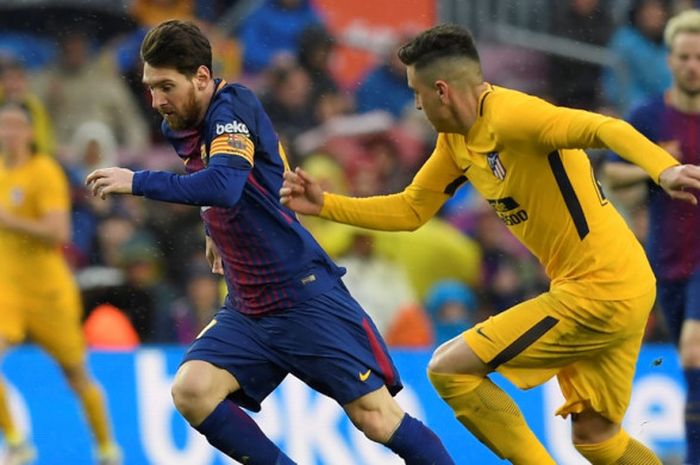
(523,155)
(672,120)
(287,310)
(38,298)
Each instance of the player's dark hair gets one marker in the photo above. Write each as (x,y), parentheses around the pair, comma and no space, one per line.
(176,44)
(442,41)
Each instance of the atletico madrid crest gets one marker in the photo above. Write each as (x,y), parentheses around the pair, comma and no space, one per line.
(496,166)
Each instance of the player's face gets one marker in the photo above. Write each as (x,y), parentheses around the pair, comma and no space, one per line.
(427,98)
(15,131)
(684,61)
(173,95)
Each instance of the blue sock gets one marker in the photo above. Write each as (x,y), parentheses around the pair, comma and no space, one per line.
(233,432)
(692,416)
(418,445)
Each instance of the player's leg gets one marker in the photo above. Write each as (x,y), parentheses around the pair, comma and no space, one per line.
(459,377)
(331,344)
(94,405)
(56,327)
(689,348)
(20,451)
(215,376)
(597,388)
(382,420)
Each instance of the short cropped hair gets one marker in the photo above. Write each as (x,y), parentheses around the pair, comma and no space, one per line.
(443,41)
(687,21)
(179,45)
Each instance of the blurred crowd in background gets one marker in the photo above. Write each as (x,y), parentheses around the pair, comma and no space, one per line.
(146,259)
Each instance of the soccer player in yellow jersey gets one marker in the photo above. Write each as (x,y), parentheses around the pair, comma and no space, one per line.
(38,296)
(524,156)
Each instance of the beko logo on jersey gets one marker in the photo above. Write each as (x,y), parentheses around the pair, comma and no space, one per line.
(232,128)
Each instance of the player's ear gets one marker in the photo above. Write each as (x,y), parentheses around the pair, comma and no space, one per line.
(442,90)
(202,77)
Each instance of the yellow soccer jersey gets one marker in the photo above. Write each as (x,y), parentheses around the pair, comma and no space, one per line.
(524,156)
(27,264)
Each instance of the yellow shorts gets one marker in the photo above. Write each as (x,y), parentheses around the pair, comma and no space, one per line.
(52,321)
(590,345)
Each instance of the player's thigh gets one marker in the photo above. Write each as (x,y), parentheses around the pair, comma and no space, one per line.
(236,344)
(198,378)
(601,381)
(331,344)
(456,356)
(54,323)
(534,340)
(521,342)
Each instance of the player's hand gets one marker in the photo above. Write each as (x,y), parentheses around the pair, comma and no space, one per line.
(676,181)
(107,181)
(213,257)
(301,193)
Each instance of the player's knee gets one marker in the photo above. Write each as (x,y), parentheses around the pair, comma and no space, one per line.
(190,392)
(77,378)
(377,425)
(592,428)
(377,415)
(452,385)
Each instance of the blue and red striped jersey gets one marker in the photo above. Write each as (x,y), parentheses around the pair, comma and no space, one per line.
(671,243)
(270,260)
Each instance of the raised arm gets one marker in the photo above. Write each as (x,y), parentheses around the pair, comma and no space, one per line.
(558,127)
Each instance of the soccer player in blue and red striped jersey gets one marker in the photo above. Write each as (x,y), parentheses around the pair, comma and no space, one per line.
(673,121)
(287,310)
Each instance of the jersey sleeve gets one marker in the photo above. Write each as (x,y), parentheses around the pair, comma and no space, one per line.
(53,194)
(434,183)
(551,128)
(230,136)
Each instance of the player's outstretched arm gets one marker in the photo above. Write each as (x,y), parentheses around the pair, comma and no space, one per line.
(677,179)
(301,193)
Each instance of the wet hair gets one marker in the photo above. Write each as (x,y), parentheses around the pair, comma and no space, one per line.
(178,45)
(687,21)
(442,41)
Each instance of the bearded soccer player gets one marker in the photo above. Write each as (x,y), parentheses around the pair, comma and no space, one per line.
(524,156)
(38,297)
(673,121)
(287,310)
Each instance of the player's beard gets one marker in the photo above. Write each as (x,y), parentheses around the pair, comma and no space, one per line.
(688,90)
(187,117)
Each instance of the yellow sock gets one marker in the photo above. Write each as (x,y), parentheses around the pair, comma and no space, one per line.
(620,449)
(7,424)
(492,416)
(96,413)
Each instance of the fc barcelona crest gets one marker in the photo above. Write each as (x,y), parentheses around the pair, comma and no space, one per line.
(496,166)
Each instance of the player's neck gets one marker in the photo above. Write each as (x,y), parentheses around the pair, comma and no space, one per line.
(683,101)
(16,158)
(208,95)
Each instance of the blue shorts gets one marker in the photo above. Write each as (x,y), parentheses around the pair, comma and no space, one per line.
(680,301)
(328,342)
